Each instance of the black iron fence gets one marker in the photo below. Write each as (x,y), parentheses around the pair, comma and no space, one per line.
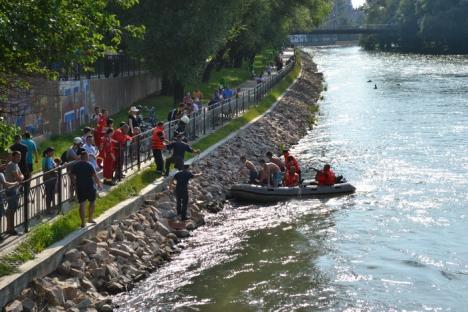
(109,66)
(54,189)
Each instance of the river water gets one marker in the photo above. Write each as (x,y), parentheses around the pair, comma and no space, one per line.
(399,243)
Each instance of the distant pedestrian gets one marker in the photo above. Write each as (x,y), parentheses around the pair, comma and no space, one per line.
(178,154)
(158,145)
(86,180)
(49,178)
(13,175)
(32,150)
(182,179)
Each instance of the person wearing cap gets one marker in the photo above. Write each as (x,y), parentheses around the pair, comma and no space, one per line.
(133,120)
(49,178)
(178,154)
(182,179)
(158,145)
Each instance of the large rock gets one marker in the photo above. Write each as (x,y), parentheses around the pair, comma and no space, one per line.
(50,291)
(120,253)
(15,306)
(72,255)
(89,248)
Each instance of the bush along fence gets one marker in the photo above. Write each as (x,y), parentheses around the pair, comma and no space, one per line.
(54,188)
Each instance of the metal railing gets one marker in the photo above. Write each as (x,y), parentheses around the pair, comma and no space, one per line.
(54,188)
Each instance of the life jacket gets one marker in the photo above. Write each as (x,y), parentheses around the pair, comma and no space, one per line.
(157,138)
(291,180)
(294,162)
(325,177)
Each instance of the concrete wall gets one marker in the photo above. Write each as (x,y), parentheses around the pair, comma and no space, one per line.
(58,107)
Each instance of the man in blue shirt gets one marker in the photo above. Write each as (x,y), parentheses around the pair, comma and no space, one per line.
(32,149)
(181,191)
(178,154)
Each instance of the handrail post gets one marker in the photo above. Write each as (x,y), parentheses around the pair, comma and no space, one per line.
(60,190)
(138,142)
(26,186)
(204,121)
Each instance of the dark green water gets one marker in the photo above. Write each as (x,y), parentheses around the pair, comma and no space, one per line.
(399,244)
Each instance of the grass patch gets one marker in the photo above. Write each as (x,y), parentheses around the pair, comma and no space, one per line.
(253,112)
(45,234)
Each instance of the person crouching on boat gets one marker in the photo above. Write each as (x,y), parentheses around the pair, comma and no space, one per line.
(325,176)
(253,173)
(273,173)
(291,178)
(290,160)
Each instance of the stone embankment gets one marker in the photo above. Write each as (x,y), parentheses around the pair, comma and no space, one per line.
(130,249)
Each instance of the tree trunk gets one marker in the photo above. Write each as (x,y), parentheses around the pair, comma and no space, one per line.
(167,87)
(178,91)
(207,72)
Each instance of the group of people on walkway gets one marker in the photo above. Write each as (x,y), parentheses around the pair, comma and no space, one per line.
(283,170)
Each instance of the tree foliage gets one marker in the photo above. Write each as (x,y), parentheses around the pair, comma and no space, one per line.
(427,26)
(37,37)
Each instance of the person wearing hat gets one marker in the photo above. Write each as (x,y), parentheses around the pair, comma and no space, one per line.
(133,120)
(49,178)
(158,145)
(182,179)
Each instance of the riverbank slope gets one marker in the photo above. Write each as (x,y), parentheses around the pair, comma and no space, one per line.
(129,249)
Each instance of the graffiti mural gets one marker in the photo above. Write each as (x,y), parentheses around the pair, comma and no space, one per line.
(77,103)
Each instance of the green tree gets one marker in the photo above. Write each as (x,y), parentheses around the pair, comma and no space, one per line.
(39,37)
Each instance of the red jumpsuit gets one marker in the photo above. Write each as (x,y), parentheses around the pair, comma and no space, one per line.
(119,148)
(98,132)
(107,153)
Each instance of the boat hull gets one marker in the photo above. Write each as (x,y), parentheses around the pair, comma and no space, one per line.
(257,193)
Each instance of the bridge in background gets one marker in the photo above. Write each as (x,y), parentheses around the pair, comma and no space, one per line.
(330,35)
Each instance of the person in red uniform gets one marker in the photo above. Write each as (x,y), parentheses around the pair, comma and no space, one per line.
(101,124)
(290,160)
(158,145)
(325,176)
(121,137)
(291,178)
(108,154)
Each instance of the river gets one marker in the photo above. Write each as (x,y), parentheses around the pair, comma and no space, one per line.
(399,243)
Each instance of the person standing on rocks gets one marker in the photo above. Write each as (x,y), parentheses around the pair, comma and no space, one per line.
(253,173)
(83,174)
(273,173)
(178,154)
(182,178)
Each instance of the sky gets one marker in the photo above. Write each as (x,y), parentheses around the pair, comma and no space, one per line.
(358,3)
